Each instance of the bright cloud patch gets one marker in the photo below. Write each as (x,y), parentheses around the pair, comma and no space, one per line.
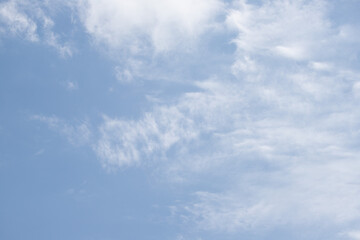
(289,29)
(135,24)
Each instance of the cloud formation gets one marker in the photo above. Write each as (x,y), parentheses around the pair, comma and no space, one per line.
(283,130)
(289,29)
(163,25)
(29,20)
(278,132)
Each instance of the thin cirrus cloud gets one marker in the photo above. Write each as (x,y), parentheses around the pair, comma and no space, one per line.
(124,142)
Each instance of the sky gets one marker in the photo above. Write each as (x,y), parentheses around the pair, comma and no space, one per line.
(180,120)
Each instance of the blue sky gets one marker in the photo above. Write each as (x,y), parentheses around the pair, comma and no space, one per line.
(179,120)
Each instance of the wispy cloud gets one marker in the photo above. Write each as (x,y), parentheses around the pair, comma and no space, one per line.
(285,28)
(77,134)
(278,133)
(17,22)
(283,130)
(29,20)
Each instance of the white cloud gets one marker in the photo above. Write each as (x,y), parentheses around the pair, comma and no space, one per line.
(162,24)
(283,132)
(295,126)
(298,130)
(221,212)
(294,194)
(52,40)
(279,137)
(125,142)
(293,52)
(30,21)
(286,28)
(129,142)
(17,22)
